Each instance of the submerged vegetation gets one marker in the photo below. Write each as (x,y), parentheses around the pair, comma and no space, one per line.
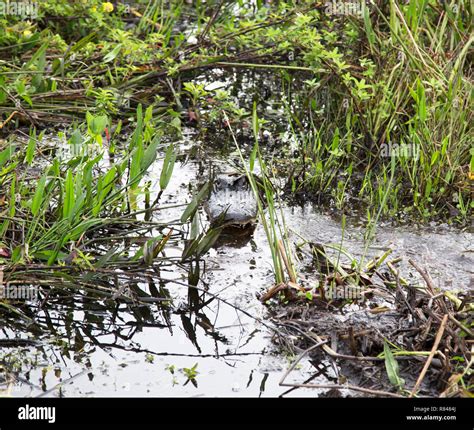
(366,111)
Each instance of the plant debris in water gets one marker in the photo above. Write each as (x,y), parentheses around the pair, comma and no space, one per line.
(374,333)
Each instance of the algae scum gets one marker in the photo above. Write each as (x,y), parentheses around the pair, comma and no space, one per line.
(205,200)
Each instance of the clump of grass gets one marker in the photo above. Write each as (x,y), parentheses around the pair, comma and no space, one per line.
(272,221)
(409,98)
(52,214)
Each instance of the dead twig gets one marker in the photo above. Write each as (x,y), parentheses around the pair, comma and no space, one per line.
(347,387)
(439,336)
(4,123)
(289,268)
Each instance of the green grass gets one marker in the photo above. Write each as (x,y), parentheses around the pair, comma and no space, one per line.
(57,205)
(269,208)
(410,85)
(351,87)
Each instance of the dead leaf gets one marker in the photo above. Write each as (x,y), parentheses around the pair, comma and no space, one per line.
(193,116)
(296,286)
(379,310)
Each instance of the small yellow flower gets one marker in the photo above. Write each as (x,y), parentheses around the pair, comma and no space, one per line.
(107,7)
(27,33)
(93,9)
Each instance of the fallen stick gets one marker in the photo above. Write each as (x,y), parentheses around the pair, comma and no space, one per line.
(346,387)
(4,123)
(429,284)
(439,335)
(424,275)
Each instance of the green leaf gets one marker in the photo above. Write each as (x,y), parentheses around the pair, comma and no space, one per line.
(391,366)
(444,145)
(30,150)
(3,94)
(76,139)
(208,240)
(68,195)
(81,43)
(37,81)
(168,166)
(38,197)
(191,208)
(195,230)
(135,165)
(434,157)
(12,210)
(150,250)
(428,188)
(79,196)
(81,228)
(253,155)
(149,156)
(36,56)
(335,141)
(6,154)
(96,124)
(113,54)
(201,245)
(103,188)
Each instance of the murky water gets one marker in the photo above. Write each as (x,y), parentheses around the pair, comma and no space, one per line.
(89,347)
(446,253)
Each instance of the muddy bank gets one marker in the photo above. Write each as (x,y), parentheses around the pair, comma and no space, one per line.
(446,252)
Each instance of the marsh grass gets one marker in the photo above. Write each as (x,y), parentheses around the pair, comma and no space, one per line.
(269,208)
(398,75)
(412,88)
(57,207)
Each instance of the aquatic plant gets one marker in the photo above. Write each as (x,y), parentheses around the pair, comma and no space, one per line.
(58,204)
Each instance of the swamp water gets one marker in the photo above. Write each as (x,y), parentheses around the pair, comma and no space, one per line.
(200,343)
(88,347)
